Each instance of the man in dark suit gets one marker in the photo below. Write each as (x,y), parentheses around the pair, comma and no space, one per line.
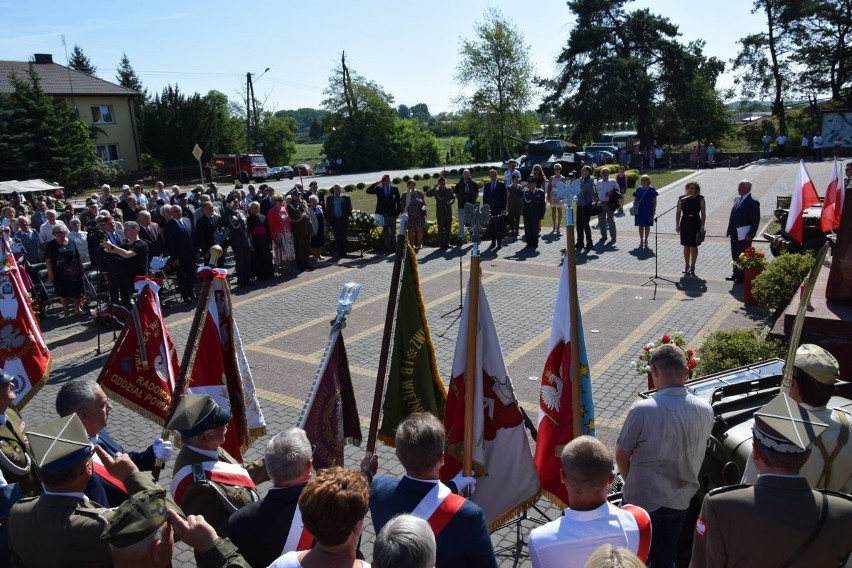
(780,521)
(265,530)
(150,233)
(88,401)
(181,246)
(459,525)
(466,192)
(205,226)
(389,205)
(338,210)
(494,195)
(111,264)
(743,225)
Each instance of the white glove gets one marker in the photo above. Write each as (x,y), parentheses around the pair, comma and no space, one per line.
(463,482)
(162,450)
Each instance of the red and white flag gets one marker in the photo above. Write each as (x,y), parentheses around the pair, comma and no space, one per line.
(142,368)
(832,205)
(23,352)
(220,368)
(804,196)
(556,409)
(507,481)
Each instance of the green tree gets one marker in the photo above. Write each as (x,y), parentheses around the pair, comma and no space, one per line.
(823,53)
(403,111)
(80,62)
(420,111)
(278,136)
(497,62)
(315,131)
(127,78)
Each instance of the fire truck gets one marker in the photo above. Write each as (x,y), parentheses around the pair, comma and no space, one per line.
(244,167)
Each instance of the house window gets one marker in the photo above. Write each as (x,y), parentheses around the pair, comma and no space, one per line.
(102,114)
(108,152)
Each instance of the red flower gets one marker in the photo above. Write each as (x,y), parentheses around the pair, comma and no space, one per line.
(666,339)
(690,352)
(678,342)
(646,349)
(691,363)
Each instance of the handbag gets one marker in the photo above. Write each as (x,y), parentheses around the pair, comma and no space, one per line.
(634,209)
(596,208)
(699,238)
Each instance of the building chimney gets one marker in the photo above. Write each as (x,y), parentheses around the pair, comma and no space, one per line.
(43,58)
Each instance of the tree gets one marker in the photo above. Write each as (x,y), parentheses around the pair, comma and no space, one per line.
(823,54)
(420,111)
(625,66)
(315,130)
(127,78)
(497,63)
(80,62)
(278,138)
(403,111)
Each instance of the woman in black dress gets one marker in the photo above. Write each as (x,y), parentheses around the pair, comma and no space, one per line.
(689,221)
(261,243)
(64,269)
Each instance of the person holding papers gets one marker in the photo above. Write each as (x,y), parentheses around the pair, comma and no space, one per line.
(742,225)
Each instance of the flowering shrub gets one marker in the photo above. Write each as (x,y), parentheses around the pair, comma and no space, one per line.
(361,220)
(643,364)
(751,258)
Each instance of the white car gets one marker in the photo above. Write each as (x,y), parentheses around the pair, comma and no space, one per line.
(320,169)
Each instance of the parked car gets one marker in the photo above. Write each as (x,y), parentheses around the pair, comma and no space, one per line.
(321,169)
(303,170)
(281,172)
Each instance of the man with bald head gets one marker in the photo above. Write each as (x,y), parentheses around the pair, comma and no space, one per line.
(743,224)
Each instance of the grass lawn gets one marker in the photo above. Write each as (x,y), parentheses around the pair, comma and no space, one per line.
(307,154)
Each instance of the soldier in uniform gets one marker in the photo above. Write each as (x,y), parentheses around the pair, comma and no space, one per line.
(532,210)
(444,199)
(780,521)
(15,456)
(207,480)
(62,526)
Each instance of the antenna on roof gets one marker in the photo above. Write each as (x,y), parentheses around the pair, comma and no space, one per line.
(70,83)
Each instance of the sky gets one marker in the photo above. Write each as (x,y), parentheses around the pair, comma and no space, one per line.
(409,48)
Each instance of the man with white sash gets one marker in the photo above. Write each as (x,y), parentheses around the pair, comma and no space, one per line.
(265,530)
(207,480)
(460,531)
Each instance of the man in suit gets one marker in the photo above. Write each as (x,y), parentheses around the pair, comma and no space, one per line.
(16,462)
(495,196)
(459,525)
(444,199)
(389,205)
(62,527)
(780,521)
(466,192)
(207,480)
(743,224)
(181,246)
(338,210)
(111,264)
(266,529)
(87,400)
(205,227)
(300,224)
(150,233)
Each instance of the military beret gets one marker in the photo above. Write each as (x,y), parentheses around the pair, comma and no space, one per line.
(139,516)
(60,443)
(817,363)
(197,413)
(786,427)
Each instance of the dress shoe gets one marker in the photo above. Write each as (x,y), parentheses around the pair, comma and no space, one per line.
(578,246)
(731,278)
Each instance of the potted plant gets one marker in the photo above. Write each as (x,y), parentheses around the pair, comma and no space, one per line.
(752,262)
(643,363)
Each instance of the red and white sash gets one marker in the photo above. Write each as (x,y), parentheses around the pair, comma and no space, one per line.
(643,522)
(298,538)
(438,507)
(101,470)
(218,471)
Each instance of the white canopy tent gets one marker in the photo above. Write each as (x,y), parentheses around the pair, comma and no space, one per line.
(27,186)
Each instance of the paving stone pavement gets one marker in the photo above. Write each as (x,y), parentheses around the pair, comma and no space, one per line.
(284,324)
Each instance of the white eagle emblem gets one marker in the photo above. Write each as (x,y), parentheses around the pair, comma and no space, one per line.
(551,395)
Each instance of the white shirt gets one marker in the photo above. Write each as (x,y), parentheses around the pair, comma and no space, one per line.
(605,186)
(45,232)
(568,542)
(291,560)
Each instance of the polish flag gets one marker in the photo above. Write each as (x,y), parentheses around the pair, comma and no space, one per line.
(832,206)
(804,196)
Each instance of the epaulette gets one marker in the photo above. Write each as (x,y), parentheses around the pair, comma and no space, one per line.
(726,488)
(99,514)
(830,493)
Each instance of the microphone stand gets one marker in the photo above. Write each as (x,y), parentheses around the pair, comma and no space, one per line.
(461,293)
(653,279)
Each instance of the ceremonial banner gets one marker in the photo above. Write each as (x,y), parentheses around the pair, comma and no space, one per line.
(804,196)
(414,383)
(507,482)
(555,414)
(142,368)
(23,352)
(832,205)
(330,416)
(220,368)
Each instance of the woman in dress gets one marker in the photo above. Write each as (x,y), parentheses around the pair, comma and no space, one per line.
(689,221)
(261,252)
(414,203)
(64,269)
(317,227)
(555,186)
(283,250)
(645,204)
(333,506)
(79,238)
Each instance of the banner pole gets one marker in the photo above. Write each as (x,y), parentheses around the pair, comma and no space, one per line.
(574,319)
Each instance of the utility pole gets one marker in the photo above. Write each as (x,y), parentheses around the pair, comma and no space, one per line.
(248,113)
(251,108)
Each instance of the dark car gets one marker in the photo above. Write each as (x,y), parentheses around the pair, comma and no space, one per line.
(303,170)
(281,172)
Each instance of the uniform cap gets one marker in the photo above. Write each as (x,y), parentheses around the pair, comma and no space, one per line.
(90,202)
(139,516)
(60,443)
(197,413)
(786,427)
(817,363)
(6,378)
